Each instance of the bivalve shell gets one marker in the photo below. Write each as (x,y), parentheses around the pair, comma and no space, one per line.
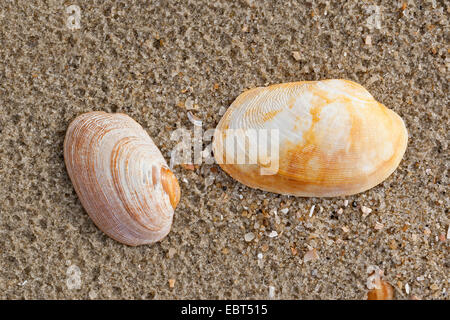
(332,138)
(121,177)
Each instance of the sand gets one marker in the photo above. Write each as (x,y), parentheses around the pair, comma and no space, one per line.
(146,59)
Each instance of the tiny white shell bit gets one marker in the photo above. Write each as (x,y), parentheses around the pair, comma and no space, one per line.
(332,139)
(121,177)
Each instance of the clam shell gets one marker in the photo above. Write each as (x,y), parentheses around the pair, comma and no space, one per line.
(334,139)
(121,178)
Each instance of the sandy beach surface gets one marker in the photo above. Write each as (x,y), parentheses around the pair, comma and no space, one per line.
(157,61)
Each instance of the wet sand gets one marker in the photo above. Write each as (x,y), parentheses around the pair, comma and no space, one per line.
(154,60)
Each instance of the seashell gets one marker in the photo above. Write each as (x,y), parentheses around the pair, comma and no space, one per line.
(383,291)
(329,138)
(121,177)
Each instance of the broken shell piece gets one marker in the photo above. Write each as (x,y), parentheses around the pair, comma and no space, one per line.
(378,226)
(313,138)
(383,291)
(379,289)
(121,178)
(310,255)
(366,211)
(311,211)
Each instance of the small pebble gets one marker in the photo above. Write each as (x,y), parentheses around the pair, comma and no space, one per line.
(340,211)
(434,287)
(189,104)
(260,256)
(311,255)
(277,219)
(249,236)
(171,253)
(296,55)
(92,295)
(171,283)
(273,234)
(222,111)
(294,251)
(407,289)
(209,180)
(368,40)
(284,210)
(345,203)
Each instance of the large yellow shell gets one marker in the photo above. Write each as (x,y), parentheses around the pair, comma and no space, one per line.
(121,178)
(334,138)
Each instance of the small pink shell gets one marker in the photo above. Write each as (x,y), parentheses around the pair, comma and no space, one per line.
(121,177)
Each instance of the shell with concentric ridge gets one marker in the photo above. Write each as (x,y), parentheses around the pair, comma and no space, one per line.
(121,177)
(334,138)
